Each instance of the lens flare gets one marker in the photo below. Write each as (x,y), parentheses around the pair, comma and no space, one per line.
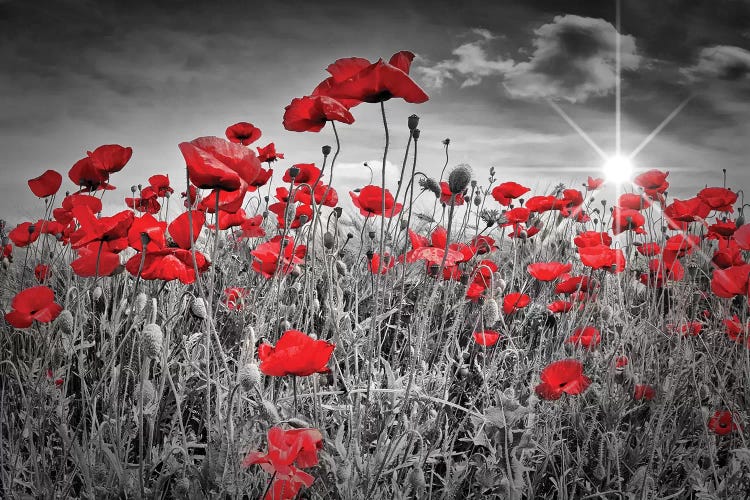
(618,169)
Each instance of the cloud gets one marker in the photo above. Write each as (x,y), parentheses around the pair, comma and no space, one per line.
(470,65)
(723,62)
(574,59)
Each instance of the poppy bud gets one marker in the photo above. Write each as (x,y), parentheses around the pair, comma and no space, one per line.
(416,477)
(293,172)
(140,303)
(341,267)
(198,308)
(296,271)
(413,122)
(329,240)
(740,220)
(490,311)
(248,376)
(133,188)
(371,234)
(477,200)
(326,150)
(415,133)
(265,214)
(338,211)
(97,293)
(152,340)
(459,178)
(446,141)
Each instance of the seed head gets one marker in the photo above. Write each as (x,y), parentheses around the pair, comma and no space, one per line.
(429,183)
(65,322)
(329,240)
(248,376)
(326,150)
(152,340)
(459,178)
(490,311)
(413,122)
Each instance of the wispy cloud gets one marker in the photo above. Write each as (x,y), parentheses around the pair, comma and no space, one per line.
(724,62)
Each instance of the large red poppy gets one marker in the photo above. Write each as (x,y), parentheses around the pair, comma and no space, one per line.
(24,234)
(727,283)
(46,184)
(179,229)
(269,256)
(548,271)
(626,219)
(160,184)
(35,303)
(243,133)
(681,212)
(215,163)
(515,302)
(508,191)
(306,173)
(592,239)
(372,83)
(564,376)
(310,113)
(97,259)
(101,229)
(654,183)
(168,264)
(718,198)
(370,202)
(295,354)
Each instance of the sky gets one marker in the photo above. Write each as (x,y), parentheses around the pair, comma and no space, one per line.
(75,75)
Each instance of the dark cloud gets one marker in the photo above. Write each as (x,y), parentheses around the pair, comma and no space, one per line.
(574,59)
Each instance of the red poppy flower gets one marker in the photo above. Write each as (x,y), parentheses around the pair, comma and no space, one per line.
(735,331)
(41,272)
(64,215)
(253,227)
(541,204)
(144,205)
(594,183)
(742,236)
(727,255)
(307,173)
(515,302)
(295,354)
(234,297)
(727,283)
(548,271)
(85,174)
(287,449)
(508,191)
(228,219)
(35,303)
(46,184)
(625,219)
(110,158)
(475,291)
(298,214)
(681,245)
(681,212)
(160,184)
(310,113)
(24,234)
(592,239)
(179,229)
(243,133)
(603,257)
(374,265)
(722,423)
(101,229)
(215,163)
(483,244)
(168,264)
(269,154)
(516,216)
(633,201)
(376,82)
(261,179)
(654,183)
(691,328)
(486,338)
(649,249)
(643,391)
(621,362)
(229,201)
(523,232)
(589,337)
(574,284)
(96,259)
(560,306)
(445,195)
(564,376)
(267,256)
(370,202)
(721,230)
(324,195)
(720,199)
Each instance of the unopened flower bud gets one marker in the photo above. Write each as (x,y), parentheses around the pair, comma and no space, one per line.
(198,308)
(152,340)
(338,211)
(329,240)
(65,321)
(341,267)
(326,150)
(413,122)
(248,376)
(404,224)
(371,234)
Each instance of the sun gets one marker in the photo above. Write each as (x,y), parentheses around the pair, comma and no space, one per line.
(618,169)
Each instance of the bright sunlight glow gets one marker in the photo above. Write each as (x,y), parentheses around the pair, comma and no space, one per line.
(618,169)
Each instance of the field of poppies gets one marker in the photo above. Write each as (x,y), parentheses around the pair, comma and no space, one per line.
(503,343)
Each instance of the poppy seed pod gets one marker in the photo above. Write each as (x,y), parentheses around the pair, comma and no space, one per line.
(370,254)
(459,178)
(338,211)
(371,234)
(329,240)
(65,321)
(198,308)
(415,134)
(404,224)
(248,376)
(341,267)
(413,122)
(293,172)
(326,150)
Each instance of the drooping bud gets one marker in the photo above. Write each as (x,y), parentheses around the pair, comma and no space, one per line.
(459,178)
(198,308)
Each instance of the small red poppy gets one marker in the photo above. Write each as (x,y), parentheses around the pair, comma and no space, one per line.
(46,184)
(243,133)
(594,183)
(370,202)
(515,302)
(35,303)
(564,376)
(295,354)
(548,271)
(643,391)
(486,338)
(508,191)
(269,154)
(722,423)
